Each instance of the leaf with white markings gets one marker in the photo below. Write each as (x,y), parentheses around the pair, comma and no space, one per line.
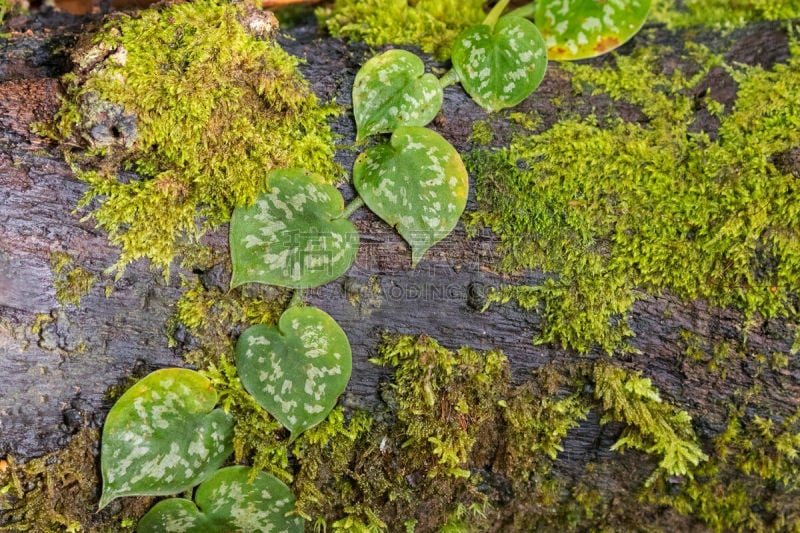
(228,502)
(417,183)
(292,236)
(578,29)
(500,67)
(163,436)
(392,90)
(296,370)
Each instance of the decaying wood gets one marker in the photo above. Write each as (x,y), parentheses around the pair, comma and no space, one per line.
(55,376)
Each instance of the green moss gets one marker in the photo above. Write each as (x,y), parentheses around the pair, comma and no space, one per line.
(723,13)
(5,8)
(755,460)
(443,398)
(538,417)
(482,133)
(653,426)
(71,281)
(619,209)
(456,425)
(528,121)
(56,493)
(430,24)
(694,345)
(199,108)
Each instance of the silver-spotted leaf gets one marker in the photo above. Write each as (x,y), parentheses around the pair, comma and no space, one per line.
(292,237)
(416,183)
(228,502)
(500,67)
(163,436)
(297,369)
(578,29)
(392,90)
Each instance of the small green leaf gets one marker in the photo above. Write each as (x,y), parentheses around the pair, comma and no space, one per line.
(296,370)
(392,90)
(228,502)
(417,183)
(163,436)
(292,236)
(577,29)
(500,68)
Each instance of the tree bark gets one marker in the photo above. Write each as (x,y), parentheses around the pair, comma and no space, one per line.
(58,361)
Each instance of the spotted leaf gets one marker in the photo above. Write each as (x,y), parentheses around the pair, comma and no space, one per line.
(416,183)
(292,237)
(577,29)
(163,436)
(296,370)
(500,67)
(228,502)
(392,90)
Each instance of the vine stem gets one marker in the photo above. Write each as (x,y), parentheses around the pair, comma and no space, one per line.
(297,298)
(352,207)
(450,77)
(526,11)
(494,14)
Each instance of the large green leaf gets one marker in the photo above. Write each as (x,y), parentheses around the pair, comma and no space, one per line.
(228,502)
(500,67)
(392,90)
(163,436)
(577,29)
(296,370)
(417,183)
(292,237)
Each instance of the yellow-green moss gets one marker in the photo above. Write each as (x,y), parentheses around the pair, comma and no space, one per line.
(200,109)
(482,133)
(5,8)
(751,481)
(618,209)
(455,421)
(56,493)
(430,24)
(71,281)
(443,398)
(653,426)
(726,14)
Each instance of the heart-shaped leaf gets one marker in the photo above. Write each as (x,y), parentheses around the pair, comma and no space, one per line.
(577,29)
(163,436)
(417,183)
(296,370)
(228,502)
(500,67)
(392,90)
(292,237)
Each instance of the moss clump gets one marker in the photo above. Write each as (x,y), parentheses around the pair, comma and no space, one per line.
(71,281)
(430,24)
(5,8)
(201,104)
(723,13)
(651,426)
(443,398)
(619,209)
(751,481)
(456,426)
(56,493)
(482,134)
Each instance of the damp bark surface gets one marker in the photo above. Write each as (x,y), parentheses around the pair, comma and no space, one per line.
(58,361)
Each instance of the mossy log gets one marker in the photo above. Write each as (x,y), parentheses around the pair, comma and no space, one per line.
(60,359)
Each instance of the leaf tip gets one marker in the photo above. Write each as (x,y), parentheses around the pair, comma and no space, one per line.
(105,498)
